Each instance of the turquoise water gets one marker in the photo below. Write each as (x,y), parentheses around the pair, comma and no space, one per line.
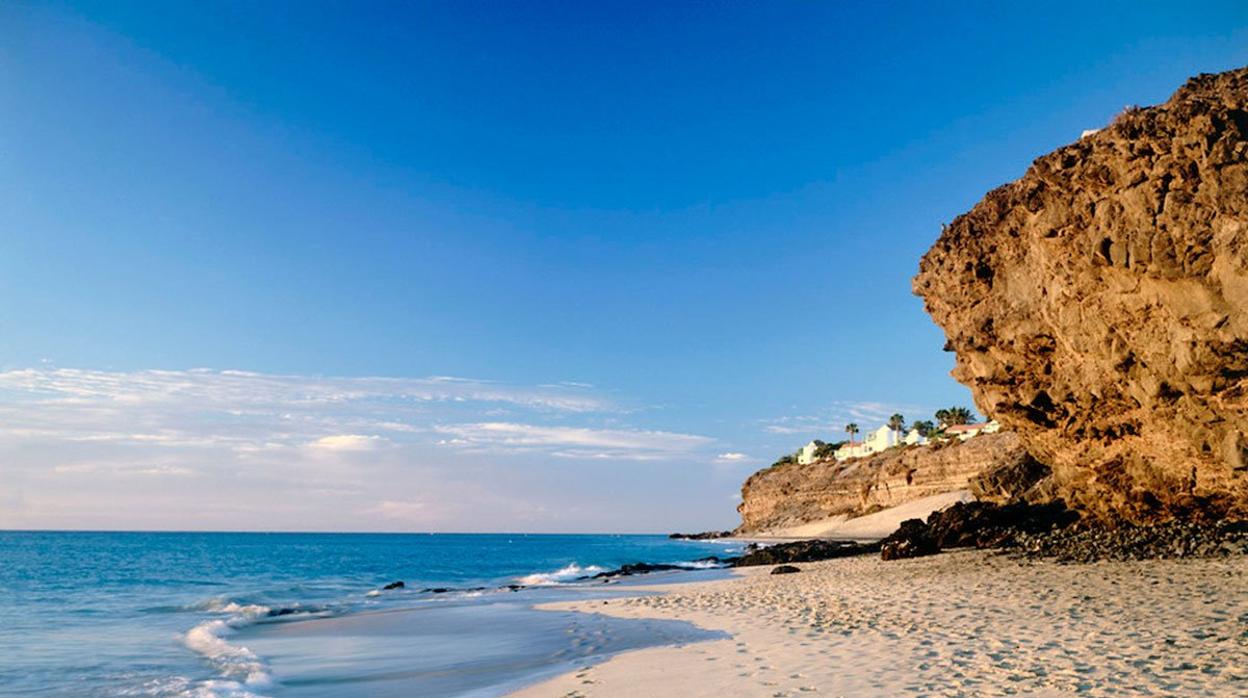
(207,614)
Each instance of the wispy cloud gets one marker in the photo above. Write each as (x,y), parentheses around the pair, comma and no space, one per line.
(206,408)
(347,442)
(572,442)
(241,389)
(89,448)
(731,457)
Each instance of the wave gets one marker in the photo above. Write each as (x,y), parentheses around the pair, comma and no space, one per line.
(184,687)
(562,575)
(233,661)
(222,605)
(699,564)
(243,671)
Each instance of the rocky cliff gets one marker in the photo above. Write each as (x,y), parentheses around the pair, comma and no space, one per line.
(1098,307)
(792,494)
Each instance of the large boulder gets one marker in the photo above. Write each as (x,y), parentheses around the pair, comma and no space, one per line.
(1098,307)
(977,525)
(912,539)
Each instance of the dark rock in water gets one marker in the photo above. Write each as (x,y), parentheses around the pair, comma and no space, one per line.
(276,612)
(803,551)
(394,585)
(634,568)
(786,569)
(647,567)
(435,590)
(705,535)
(515,587)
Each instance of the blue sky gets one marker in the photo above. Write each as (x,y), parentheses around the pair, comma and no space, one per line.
(488,266)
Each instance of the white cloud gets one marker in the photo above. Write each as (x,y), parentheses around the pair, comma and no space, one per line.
(347,442)
(401,510)
(87,449)
(166,470)
(240,389)
(731,457)
(573,442)
(248,411)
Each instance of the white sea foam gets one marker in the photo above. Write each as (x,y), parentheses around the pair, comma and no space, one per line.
(242,670)
(218,604)
(233,661)
(560,576)
(699,564)
(223,689)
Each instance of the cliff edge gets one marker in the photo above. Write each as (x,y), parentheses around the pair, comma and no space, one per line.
(791,494)
(1098,307)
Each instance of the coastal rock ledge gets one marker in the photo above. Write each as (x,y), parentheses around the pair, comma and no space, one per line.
(792,494)
(1098,307)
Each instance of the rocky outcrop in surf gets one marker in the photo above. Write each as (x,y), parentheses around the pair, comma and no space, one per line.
(1098,307)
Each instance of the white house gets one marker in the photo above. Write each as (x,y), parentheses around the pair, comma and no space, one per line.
(885,438)
(876,441)
(806,456)
(914,438)
(851,450)
(966,431)
(881,439)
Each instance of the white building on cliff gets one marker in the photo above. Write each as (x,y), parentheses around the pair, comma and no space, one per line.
(806,456)
(966,431)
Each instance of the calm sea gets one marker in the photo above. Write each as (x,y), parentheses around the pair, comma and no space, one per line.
(255,614)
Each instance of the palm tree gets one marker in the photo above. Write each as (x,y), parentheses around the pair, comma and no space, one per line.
(924,427)
(942,418)
(960,415)
(897,423)
(851,429)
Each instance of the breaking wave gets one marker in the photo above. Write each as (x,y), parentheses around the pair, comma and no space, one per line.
(243,671)
(562,575)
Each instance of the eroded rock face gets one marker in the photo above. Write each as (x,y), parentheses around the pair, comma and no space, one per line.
(793,494)
(1099,307)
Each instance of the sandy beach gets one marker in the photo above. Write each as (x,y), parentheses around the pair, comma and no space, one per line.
(962,623)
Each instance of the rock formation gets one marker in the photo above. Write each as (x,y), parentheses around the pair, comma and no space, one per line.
(792,494)
(1098,307)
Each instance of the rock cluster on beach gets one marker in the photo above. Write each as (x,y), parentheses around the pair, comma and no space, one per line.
(1170,539)
(976,525)
(802,551)
(1098,307)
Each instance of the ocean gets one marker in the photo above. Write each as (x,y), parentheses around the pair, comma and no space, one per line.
(305,614)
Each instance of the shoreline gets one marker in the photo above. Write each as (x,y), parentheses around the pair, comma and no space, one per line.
(960,622)
(469,642)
